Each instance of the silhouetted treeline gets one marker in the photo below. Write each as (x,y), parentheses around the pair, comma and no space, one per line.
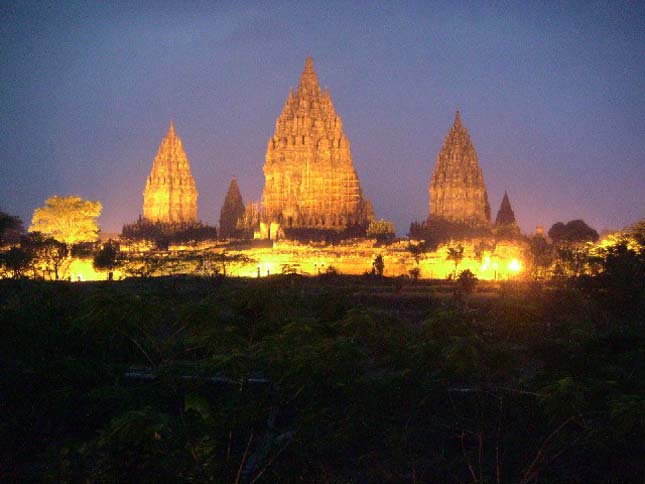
(436,231)
(164,234)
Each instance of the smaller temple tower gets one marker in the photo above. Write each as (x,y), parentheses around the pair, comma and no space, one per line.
(457,189)
(505,223)
(505,214)
(232,210)
(170,195)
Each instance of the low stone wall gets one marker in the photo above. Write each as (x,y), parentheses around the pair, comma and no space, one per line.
(486,258)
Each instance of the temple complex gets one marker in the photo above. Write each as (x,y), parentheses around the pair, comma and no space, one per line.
(170,195)
(232,210)
(310,180)
(457,189)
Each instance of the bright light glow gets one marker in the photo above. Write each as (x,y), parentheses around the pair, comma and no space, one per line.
(267,268)
(514,266)
(486,263)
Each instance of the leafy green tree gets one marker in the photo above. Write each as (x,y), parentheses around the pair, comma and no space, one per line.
(108,258)
(15,263)
(417,251)
(150,264)
(330,270)
(466,281)
(572,231)
(622,267)
(69,220)
(50,258)
(37,256)
(455,254)
(11,228)
(382,230)
(540,257)
(216,263)
(415,273)
(378,265)
(163,234)
(574,261)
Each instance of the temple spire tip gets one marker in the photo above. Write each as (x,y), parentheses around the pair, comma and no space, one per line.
(309,79)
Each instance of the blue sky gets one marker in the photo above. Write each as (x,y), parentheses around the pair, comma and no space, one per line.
(553,94)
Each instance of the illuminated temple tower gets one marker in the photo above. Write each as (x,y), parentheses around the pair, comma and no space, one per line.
(170,195)
(310,181)
(457,189)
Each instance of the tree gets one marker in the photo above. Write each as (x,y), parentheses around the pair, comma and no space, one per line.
(37,256)
(455,254)
(150,264)
(622,261)
(415,273)
(163,234)
(382,230)
(69,220)
(378,265)
(10,228)
(466,281)
(541,256)
(15,262)
(213,263)
(417,251)
(572,231)
(49,256)
(107,259)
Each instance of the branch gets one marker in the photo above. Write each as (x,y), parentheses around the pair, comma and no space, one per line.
(244,457)
(528,475)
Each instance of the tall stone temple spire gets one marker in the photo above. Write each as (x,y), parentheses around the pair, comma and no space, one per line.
(310,181)
(457,189)
(170,195)
(505,214)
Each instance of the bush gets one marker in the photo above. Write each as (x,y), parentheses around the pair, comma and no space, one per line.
(466,281)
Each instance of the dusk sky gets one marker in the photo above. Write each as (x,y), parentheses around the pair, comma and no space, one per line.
(552,93)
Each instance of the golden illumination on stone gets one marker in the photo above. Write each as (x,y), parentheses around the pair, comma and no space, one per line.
(310,181)
(457,189)
(170,195)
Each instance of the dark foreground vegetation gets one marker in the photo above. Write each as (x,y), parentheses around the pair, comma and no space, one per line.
(327,379)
